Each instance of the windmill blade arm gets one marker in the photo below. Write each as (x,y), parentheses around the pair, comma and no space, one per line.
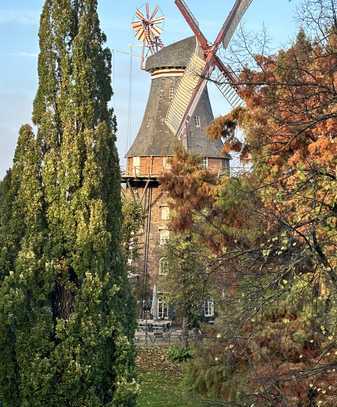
(227,72)
(232,21)
(228,84)
(192,22)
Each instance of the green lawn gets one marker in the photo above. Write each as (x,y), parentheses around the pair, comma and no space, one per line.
(163,390)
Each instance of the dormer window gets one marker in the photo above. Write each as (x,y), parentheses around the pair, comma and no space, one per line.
(197,121)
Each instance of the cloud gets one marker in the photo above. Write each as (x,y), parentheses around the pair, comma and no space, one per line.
(25,17)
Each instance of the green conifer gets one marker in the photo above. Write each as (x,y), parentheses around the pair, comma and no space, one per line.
(65,298)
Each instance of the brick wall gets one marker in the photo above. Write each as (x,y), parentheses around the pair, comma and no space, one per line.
(154,166)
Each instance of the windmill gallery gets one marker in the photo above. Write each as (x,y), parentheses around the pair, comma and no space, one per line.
(178,113)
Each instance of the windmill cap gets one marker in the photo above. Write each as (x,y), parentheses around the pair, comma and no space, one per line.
(176,55)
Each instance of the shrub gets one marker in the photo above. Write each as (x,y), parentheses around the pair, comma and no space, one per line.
(179,354)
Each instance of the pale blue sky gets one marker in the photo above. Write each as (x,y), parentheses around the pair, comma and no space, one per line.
(19,21)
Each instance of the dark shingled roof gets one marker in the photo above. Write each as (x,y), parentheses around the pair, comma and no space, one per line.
(176,55)
(154,137)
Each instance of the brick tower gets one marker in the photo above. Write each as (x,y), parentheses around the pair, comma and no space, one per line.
(148,158)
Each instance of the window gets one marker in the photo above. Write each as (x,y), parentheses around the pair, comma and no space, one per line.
(163,266)
(136,166)
(164,213)
(171,94)
(209,308)
(197,121)
(164,236)
(163,308)
(205,162)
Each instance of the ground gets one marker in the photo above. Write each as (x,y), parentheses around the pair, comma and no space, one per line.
(161,381)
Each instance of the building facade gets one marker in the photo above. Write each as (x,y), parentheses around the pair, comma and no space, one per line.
(149,157)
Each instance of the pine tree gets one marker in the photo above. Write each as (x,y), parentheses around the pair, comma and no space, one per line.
(66,296)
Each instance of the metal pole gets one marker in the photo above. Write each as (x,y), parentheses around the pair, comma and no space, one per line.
(129,128)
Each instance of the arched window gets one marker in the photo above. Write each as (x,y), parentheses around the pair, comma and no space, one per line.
(163,266)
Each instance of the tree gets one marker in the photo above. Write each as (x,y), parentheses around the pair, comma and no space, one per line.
(65,298)
(273,230)
(133,222)
(187,281)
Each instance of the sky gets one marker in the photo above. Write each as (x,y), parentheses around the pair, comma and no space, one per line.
(19,22)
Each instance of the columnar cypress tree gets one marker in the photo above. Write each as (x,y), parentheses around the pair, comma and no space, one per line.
(23,320)
(68,304)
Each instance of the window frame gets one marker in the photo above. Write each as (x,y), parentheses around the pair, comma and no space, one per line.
(197,121)
(162,241)
(205,162)
(163,262)
(163,308)
(165,209)
(208,308)
(171,93)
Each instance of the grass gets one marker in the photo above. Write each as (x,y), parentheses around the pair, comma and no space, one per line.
(160,389)
(161,380)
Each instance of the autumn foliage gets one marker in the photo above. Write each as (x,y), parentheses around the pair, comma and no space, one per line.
(272,231)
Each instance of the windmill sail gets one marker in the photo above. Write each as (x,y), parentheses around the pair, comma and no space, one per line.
(201,67)
(234,19)
(227,90)
(184,93)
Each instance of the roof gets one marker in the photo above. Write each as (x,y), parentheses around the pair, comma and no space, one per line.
(154,137)
(176,55)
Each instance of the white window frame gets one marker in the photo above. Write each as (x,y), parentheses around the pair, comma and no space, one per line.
(171,93)
(165,212)
(197,122)
(163,266)
(164,236)
(205,162)
(136,166)
(162,307)
(209,308)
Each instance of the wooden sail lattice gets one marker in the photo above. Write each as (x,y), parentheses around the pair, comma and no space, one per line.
(228,91)
(201,67)
(185,92)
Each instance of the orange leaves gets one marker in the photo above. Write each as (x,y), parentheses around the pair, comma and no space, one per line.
(189,186)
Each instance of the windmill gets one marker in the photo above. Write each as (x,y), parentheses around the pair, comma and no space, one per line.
(201,66)
(148,28)
(178,104)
